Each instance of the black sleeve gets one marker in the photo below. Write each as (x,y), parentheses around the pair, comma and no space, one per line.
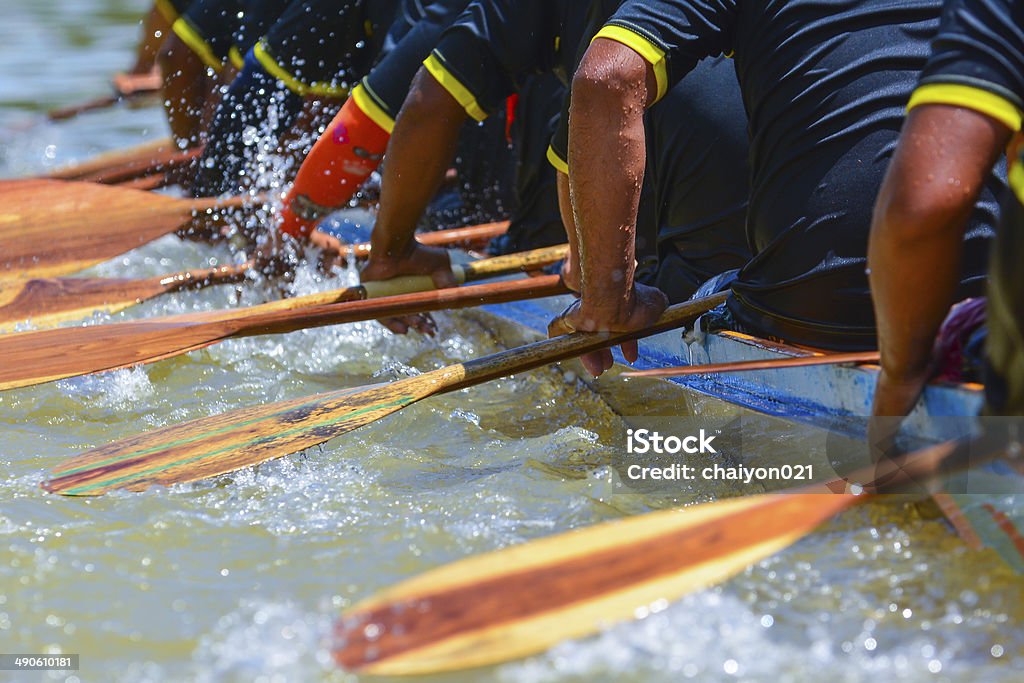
(673,35)
(389,81)
(490,48)
(978,53)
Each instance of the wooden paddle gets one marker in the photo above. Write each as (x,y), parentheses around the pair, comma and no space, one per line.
(47,355)
(109,160)
(144,85)
(51,301)
(524,599)
(162,163)
(767,364)
(54,227)
(242,438)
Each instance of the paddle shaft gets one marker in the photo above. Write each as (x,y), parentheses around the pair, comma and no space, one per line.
(158,163)
(109,160)
(451,237)
(248,436)
(281,322)
(47,301)
(48,355)
(766,364)
(568,346)
(470,272)
(65,113)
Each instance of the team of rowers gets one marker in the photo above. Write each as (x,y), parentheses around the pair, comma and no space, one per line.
(838,165)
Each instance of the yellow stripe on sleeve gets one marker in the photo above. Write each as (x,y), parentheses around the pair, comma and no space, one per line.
(373,111)
(645,48)
(560,164)
(195,41)
(167,10)
(265,59)
(969,97)
(454,87)
(235,57)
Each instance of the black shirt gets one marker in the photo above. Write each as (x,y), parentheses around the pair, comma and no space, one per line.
(695,190)
(978,62)
(322,47)
(411,38)
(825,84)
(218,31)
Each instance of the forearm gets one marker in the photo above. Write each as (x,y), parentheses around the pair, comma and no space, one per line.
(914,278)
(606,160)
(184,91)
(922,212)
(421,148)
(155,29)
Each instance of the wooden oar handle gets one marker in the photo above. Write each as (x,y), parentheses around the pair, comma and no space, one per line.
(766,364)
(463,236)
(406,304)
(521,262)
(470,272)
(240,202)
(568,346)
(205,277)
(109,160)
(160,162)
(444,238)
(65,113)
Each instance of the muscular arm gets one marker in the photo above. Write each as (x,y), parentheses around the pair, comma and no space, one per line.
(421,148)
(939,168)
(186,91)
(155,29)
(607,155)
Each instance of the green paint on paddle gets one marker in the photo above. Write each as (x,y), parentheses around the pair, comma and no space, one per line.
(216,432)
(84,490)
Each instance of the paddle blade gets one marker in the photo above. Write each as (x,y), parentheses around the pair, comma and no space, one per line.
(52,227)
(230,441)
(107,161)
(49,301)
(522,600)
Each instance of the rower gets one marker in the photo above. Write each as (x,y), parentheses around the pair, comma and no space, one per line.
(968,103)
(825,90)
(477,64)
(303,65)
(156,27)
(352,146)
(202,53)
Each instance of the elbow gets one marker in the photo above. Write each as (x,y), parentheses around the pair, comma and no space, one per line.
(918,213)
(177,60)
(429,101)
(610,75)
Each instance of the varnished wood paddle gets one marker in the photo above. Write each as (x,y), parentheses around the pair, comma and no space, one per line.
(767,364)
(162,164)
(102,163)
(143,86)
(47,355)
(242,438)
(50,301)
(524,599)
(54,227)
